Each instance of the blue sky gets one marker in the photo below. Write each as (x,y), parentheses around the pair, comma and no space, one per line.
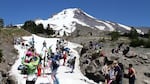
(127,12)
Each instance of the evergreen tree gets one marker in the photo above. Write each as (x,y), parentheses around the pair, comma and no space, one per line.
(40,28)
(49,30)
(147,43)
(114,35)
(133,33)
(30,26)
(136,42)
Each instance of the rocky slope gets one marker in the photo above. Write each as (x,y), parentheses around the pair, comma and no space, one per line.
(91,63)
(8,51)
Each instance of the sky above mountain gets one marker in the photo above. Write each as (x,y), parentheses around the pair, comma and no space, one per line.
(127,12)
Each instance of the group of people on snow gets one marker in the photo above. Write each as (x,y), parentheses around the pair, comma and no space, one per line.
(34,63)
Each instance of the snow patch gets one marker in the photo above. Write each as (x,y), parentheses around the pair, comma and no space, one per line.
(64,78)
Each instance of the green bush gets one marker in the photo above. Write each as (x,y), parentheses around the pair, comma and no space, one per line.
(136,42)
(147,44)
(114,35)
(133,34)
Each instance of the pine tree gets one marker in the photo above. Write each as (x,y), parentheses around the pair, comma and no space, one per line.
(133,33)
(49,30)
(40,28)
(114,35)
(30,26)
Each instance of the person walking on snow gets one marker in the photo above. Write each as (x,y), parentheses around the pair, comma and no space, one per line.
(64,57)
(33,41)
(54,68)
(72,64)
(44,45)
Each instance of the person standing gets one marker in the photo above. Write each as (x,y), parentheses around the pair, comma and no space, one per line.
(64,57)
(118,72)
(131,74)
(54,68)
(72,64)
(31,42)
(112,76)
(105,71)
(44,45)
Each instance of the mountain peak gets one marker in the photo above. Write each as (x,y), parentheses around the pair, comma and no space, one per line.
(68,12)
(67,19)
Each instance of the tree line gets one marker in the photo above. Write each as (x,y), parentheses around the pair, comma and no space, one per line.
(35,29)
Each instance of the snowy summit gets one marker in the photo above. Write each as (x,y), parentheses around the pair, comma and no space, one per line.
(67,19)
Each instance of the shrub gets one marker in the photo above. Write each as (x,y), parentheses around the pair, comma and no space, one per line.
(136,42)
(147,44)
(114,35)
(133,34)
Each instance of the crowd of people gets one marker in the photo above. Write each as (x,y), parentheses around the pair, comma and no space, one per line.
(112,70)
(36,63)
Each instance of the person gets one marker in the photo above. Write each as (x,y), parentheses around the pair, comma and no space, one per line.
(64,57)
(131,74)
(31,66)
(39,68)
(105,72)
(54,68)
(33,41)
(44,45)
(112,76)
(118,72)
(49,52)
(23,45)
(72,64)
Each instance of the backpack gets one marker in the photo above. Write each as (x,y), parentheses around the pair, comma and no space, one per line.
(55,64)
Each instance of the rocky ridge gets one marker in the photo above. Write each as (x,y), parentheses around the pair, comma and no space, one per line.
(91,63)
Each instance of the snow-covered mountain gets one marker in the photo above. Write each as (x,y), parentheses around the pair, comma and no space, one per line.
(67,19)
